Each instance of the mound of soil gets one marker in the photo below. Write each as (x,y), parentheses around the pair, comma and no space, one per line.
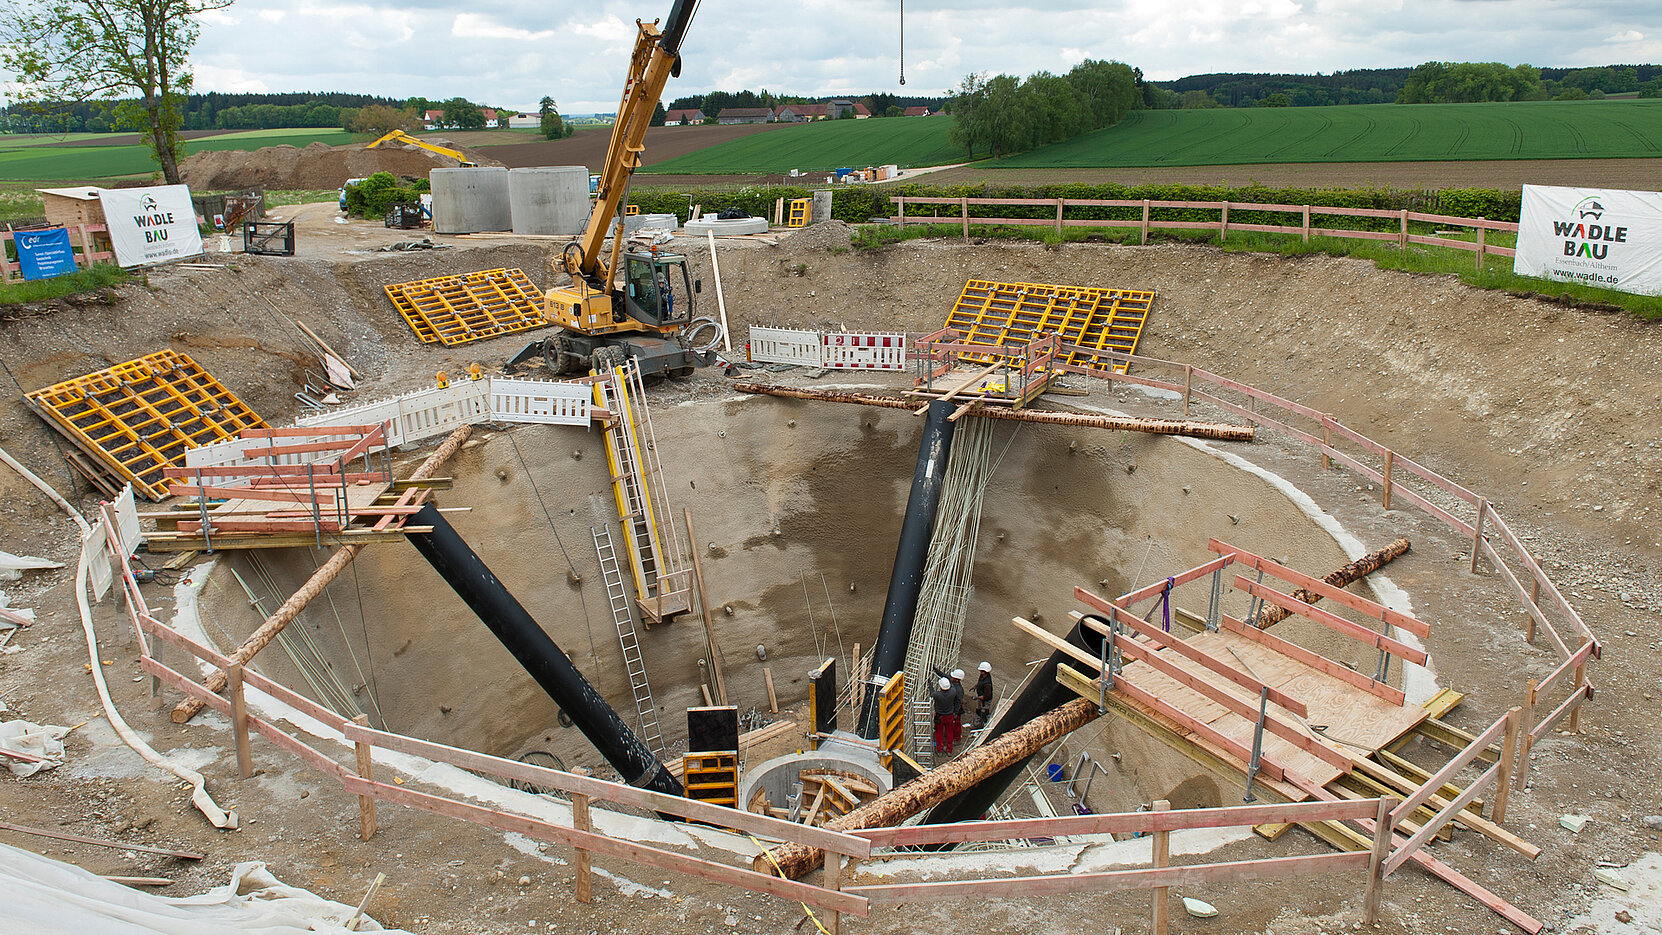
(826,235)
(315,167)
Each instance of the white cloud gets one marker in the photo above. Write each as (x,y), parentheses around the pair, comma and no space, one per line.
(512,52)
(228,80)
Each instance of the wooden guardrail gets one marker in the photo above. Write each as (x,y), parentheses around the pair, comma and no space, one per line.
(1402,236)
(88,249)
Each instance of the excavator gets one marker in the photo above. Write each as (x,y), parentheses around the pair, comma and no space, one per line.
(399,136)
(631,300)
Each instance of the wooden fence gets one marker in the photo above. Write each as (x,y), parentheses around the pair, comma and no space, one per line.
(1402,236)
(88,248)
(1546,614)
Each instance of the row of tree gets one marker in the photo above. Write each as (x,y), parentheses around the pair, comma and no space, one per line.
(1004,115)
(1433,82)
(879,105)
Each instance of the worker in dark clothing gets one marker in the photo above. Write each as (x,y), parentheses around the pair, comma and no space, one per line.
(957,685)
(984,695)
(945,726)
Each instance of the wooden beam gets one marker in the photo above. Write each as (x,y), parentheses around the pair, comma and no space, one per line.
(1332,621)
(1313,660)
(717,663)
(1317,586)
(99,842)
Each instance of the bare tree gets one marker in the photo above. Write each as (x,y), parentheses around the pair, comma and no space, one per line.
(133,53)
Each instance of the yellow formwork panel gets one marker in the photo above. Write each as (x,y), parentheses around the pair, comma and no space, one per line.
(800,209)
(457,309)
(1014,313)
(141,416)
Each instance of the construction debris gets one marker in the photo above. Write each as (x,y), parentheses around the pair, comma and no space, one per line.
(1214,430)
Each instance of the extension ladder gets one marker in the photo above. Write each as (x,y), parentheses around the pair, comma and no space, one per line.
(662,585)
(646,712)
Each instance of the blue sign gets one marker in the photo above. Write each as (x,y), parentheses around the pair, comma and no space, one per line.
(44,254)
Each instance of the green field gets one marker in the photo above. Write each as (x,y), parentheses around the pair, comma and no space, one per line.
(47,158)
(902,141)
(1362,133)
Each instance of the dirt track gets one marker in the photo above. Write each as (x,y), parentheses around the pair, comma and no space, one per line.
(1553,413)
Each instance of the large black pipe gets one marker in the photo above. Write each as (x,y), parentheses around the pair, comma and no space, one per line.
(894,635)
(466,572)
(1041,694)
(675,28)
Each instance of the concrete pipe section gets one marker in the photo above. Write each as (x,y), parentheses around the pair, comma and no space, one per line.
(727,228)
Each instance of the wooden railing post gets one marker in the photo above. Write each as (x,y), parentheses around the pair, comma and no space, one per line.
(1223,224)
(1580,687)
(1306,223)
(1481,230)
(239,720)
(584,876)
(1390,457)
(1402,239)
(1188,381)
(366,772)
(901,201)
(1376,861)
(1058,217)
(1526,727)
(1508,758)
(964,204)
(1145,222)
(1477,532)
(1162,858)
(1327,442)
(1535,602)
(833,881)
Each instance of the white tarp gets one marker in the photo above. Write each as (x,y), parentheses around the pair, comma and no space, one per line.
(42,896)
(151,225)
(1597,237)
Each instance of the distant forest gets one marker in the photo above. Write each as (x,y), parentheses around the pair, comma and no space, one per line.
(716,101)
(211,111)
(1386,85)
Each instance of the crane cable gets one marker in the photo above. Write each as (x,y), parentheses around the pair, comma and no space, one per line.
(902,42)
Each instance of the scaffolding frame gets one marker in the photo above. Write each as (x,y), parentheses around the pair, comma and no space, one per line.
(453,310)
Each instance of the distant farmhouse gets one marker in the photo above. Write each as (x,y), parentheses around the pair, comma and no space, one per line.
(795,113)
(684,118)
(733,115)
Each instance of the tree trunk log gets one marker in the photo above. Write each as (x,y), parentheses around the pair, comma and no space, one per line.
(896,805)
(1346,575)
(1220,431)
(325,573)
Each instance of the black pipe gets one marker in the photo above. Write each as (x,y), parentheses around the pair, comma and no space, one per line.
(900,610)
(451,557)
(1042,694)
(675,27)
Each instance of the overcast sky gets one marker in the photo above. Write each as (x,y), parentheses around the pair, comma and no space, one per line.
(509,53)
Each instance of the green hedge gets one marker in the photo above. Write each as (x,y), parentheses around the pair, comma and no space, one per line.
(858,204)
(372,197)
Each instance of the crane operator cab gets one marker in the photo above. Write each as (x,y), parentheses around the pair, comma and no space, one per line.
(657,291)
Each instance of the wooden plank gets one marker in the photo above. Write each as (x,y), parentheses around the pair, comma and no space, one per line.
(1167,641)
(1443,817)
(773,699)
(1321,663)
(1231,702)
(1317,586)
(1112,880)
(1147,591)
(626,850)
(1116,823)
(1332,621)
(1452,769)
(620,793)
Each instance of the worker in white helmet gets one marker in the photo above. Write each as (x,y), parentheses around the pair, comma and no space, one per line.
(945,726)
(983,695)
(957,687)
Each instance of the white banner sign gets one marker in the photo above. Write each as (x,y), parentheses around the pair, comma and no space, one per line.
(1596,237)
(151,225)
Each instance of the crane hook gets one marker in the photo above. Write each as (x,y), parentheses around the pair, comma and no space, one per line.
(903,42)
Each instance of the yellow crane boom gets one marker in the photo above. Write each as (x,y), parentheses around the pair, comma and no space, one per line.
(399,136)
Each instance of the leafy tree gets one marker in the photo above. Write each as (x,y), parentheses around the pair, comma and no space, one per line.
(380,119)
(79,50)
(553,128)
(1278,99)
(893,110)
(1467,82)
(1109,88)
(659,115)
(461,113)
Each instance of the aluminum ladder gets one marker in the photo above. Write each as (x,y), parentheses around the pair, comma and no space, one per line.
(617,595)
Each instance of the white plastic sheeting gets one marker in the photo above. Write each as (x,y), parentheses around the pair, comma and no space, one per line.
(43,896)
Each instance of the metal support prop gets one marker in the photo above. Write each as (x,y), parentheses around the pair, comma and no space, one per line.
(1257,743)
(202,504)
(1257,603)
(317,515)
(1213,608)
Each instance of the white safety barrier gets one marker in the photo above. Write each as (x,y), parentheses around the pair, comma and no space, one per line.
(785,346)
(864,351)
(882,350)
(424,414)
